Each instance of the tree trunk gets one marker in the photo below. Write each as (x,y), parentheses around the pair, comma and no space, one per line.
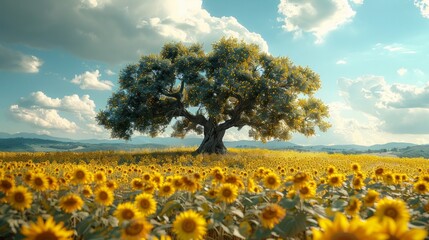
(212,142)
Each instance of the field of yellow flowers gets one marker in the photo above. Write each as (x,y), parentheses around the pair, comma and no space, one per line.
(246,194)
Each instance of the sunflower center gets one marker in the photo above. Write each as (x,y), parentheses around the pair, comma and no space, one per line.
(344,236)
(227,192)
(146,177)
(379,171)
(47,235)
(304,190)
(6,184)
(70,202)
(19,197)
(103,195)
(127,214)
(134,229)
(166,189)
(218,176)
(422,187)
(391,212)
(138,184)
(334,180)
(393,238)
(80,174)
(38,181)
(269,213)
(271,180)
(189,225)
(144,203)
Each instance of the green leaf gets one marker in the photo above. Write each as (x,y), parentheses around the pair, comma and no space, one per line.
(291,225)
(84,225)
(289,203)
(339,204)
(169,206)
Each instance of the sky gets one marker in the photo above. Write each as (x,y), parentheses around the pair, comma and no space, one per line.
(59,60)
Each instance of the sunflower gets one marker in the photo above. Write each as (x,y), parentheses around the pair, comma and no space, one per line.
(355,167)
(126,212)
(70,203)
(111,184)
(353,207)
(145,203)
(306,191)
(137,184)
(104,196)
(166,189)
(358,183)
(27,177)
(52,183)
(370,198)
(87,191)
(336,180)
(177,182)
(331,170)
(392,208)
(100,177)
(272,215)
(6,185)
(300,178)
(341,228)
(81,175)
(20,198)
(190,225)
(227,193)
(399,230)
(421,187)
(190,184)
(272,181)
(46,230)
(137,229)
(39,182)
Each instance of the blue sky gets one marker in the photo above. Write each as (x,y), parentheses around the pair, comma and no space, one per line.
(59,59)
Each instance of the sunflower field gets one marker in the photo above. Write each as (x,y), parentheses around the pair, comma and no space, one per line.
(245,194)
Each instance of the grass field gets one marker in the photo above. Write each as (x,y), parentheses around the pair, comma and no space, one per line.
(245,194)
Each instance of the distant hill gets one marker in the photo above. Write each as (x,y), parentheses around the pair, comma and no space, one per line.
(415,151)
(30,142)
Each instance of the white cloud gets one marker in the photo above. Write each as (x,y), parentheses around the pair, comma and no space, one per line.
(110,72)
(341,62)
(393,48)
(116,31)
(402,71)
(318,17)
(44,118)
(11,60)
(73,103)
(360,2)
(91,80)
(423,5)
(399,108)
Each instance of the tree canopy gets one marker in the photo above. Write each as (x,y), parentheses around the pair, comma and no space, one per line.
(234,85)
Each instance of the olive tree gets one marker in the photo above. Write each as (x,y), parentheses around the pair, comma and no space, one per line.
(234,85)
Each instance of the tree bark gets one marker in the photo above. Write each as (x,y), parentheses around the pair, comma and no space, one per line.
(213,141)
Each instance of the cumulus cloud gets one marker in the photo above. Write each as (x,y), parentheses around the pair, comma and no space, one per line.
(115,31)
(400,108)
(360,2)
(44,118)
(393,48)
(11,60)
(423,5)
(91,80)
(73,103)
(341,62)
(318,17)
(402,71)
